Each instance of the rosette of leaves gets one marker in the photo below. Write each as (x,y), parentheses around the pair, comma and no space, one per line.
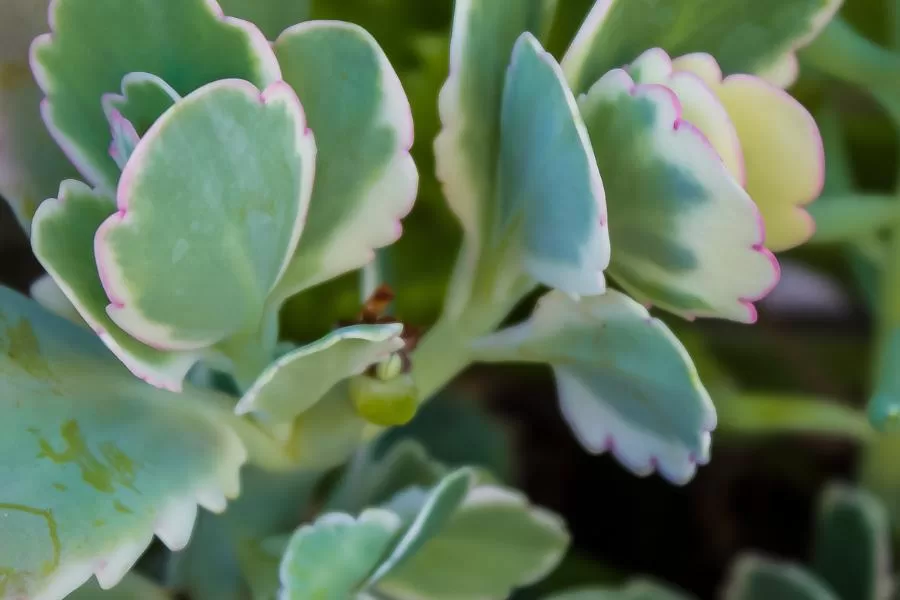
(198,216)
(663,173)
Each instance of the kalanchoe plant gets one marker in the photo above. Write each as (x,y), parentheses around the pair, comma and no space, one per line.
(221,173)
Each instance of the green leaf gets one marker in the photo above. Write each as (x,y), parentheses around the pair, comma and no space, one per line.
(94,461)
(228,553)
(32,165)
(371,480)
(63,241)
(625,383)
(745,37)
(852,544)
(271,16)
(688,238)
(132,587)
(204,229)
(549,196)
(428,519)
(757,578)
(95,43)
(316,368)
(366,180)
(638,589)
(765,414)
(333,556)
(493,543)
(144,98)
(329,432)
(466,151)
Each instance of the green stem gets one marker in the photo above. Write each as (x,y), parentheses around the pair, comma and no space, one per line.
(849,217)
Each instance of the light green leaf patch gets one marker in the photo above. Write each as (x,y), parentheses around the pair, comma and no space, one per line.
(370,480)
(425,518)
(300,378)
(95,462)
(494,543)
(471,101)
(63,242)
(852,544)
(549,196)
(333,556)
(626,385)
(210,209)
(687,237)
(366,180)
(32,165)
(144,98)
(95,43)
(745,37)
(758,578)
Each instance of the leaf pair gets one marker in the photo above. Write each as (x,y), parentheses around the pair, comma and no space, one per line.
(216,219)
(460,539)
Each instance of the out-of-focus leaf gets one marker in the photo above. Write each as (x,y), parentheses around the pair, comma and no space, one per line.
(852,544)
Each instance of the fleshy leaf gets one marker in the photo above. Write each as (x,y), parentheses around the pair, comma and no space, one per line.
(688,238)
(300,378)
(331,557)
(95,43)
(852,544)
(227,550)
(746,37)
(484,33)
(144,98)
(63,242)
(371,480)
(32,164)
(549,190)
(329,432)
(493,543)
(782,150)
(366,180)
(757,578)
(224,176)
(95,461)
(699,105)
(626,385)
(429,518)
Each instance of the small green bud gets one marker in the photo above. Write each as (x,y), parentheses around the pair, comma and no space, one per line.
(385,403)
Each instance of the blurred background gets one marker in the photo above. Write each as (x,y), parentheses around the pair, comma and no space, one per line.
(790,390)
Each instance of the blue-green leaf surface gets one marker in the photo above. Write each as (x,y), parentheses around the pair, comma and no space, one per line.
(626,385)
(94,462)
